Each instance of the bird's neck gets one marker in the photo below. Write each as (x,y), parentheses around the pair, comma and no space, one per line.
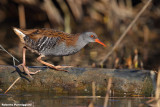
(81,42)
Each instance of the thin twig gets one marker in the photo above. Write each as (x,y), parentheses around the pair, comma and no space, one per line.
(10,55)
(12,85)
(14,63)
(107,93)
(126,31)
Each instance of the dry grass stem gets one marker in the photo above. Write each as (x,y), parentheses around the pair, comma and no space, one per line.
(22,19)
(67,24)
(76,8)
(107,93)
(52,12)
(94,90)
(12,85)
(125,32)
(158,89)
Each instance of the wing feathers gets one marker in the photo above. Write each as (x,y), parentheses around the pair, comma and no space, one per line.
(37,34)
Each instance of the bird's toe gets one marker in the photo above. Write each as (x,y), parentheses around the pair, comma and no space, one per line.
(59,66)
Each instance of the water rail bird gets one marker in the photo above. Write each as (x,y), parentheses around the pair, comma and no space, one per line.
(46,42)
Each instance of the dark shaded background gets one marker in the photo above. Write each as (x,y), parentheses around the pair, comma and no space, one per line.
(140,49)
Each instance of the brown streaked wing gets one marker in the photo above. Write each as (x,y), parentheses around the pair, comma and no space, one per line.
(36,34)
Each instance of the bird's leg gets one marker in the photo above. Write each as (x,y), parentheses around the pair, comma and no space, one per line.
(50,65)
(24,64)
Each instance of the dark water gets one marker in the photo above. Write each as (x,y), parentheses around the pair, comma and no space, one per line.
(50,100)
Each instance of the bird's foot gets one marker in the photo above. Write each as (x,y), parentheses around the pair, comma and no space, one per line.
(26,70)
(56,67)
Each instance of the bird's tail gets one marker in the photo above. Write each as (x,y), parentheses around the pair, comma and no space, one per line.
(20,34)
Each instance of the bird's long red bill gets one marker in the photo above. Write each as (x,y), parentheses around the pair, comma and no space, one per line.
(98,41)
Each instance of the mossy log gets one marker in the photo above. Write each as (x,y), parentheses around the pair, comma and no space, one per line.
(78,80)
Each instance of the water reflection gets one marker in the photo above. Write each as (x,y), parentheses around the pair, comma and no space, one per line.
(39,99)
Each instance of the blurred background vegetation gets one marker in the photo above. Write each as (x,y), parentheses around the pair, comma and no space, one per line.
(140,49)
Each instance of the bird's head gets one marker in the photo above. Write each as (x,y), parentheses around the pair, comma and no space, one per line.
(91,37)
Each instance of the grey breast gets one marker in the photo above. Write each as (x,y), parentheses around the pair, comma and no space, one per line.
(63,50)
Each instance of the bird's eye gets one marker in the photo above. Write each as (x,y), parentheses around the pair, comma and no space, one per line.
(91,36)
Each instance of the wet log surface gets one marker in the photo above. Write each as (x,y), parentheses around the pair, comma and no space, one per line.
(78,80)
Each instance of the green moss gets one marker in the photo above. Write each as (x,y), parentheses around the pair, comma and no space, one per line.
(147,88)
